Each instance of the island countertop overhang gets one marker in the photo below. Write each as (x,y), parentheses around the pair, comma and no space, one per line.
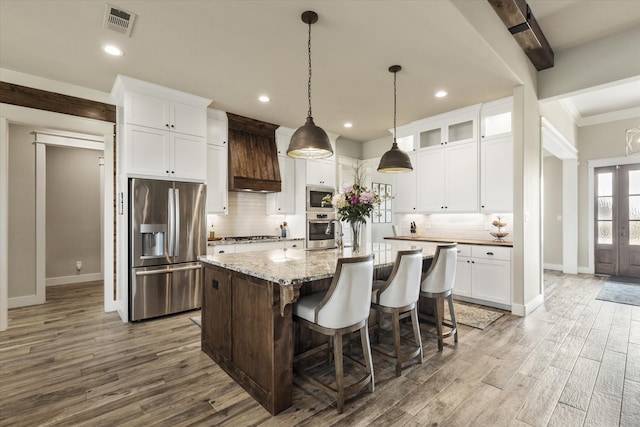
(294,266)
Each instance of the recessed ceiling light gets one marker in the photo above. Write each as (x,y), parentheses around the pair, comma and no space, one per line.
(112,50)
(348,125)
(441,94)
(264,98)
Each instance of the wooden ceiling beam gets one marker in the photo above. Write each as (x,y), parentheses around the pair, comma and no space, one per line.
(519,20)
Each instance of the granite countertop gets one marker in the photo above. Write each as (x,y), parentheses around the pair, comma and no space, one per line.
(293,266)
(457,240)
(244,242)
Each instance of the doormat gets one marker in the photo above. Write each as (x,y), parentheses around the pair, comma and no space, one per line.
(196,320)
(622,290)
(472,315)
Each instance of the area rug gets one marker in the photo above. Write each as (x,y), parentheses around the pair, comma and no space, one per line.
(196,320)
(621,290)
(472,315)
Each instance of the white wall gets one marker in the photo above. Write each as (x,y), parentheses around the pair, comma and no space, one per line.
(73,194)
(22,212)
(552,208)
(600,62)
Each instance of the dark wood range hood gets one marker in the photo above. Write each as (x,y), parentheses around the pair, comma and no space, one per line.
(253,155)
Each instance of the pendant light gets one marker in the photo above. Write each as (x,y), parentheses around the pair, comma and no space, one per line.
(395,160)
(309,141)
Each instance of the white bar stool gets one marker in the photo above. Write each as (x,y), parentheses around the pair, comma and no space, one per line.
(398,296)
(343,309)
(437,284)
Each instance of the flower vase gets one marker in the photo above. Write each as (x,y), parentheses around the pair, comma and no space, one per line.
(356,238)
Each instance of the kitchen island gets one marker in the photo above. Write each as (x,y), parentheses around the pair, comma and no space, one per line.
(247,325)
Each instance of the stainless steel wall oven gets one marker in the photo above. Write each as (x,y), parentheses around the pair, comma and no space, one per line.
(321,230)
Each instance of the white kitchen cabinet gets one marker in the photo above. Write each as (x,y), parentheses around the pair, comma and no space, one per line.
(448,179)
(405,189)
(462,283)
(284,202)
(321,172)
(217,193)
(221,249)
(217,127)
(158,113)
(458,127)
(164,131)
(255,246)
(495,118)
(158,153)
(483,273)
(496,174)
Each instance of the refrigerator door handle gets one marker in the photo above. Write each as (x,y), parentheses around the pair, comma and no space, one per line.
(176,229)
(171,244)
(167,270)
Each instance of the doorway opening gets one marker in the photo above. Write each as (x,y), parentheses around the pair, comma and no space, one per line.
(617,220)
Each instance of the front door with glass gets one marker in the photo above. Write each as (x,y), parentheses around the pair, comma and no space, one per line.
(617,225)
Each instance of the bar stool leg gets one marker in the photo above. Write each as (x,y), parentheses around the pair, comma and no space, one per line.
(454,323)
(366,353)
(416,331)
(396,342)
(439,319)
(337,357)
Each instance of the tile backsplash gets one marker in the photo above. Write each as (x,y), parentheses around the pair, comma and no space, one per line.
(470,226)
(247,217)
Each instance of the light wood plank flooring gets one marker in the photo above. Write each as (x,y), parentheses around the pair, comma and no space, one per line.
(574,361)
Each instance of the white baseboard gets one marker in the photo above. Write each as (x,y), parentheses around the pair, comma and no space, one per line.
(523,310)
(555,267)
(585,270)
(25,301)
(64,280)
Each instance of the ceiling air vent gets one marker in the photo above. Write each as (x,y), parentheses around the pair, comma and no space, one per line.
(119,20)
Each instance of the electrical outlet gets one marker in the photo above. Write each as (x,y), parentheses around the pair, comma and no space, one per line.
(78,265)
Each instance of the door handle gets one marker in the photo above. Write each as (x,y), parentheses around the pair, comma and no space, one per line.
(167,270)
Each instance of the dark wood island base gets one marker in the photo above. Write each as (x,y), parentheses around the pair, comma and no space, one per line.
(247,323)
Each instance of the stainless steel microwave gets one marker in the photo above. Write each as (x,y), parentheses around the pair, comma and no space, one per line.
(315,194)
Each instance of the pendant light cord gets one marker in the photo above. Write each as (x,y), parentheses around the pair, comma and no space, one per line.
(309,82)
(394,106)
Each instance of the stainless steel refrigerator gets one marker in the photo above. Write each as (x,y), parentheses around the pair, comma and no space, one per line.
(166,234)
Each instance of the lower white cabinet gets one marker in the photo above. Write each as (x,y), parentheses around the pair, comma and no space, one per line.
(254,246)
(483,273)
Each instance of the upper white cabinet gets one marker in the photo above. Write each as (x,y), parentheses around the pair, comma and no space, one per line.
(496,157)
(321,172)
(284,202)
(458,127)
(495,118)
(217,163)
(405,197)
(149,111)
(217,193)
(164,133)
(496,179)
(448,179)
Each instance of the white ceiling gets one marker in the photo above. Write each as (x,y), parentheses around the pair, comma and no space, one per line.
(234,51)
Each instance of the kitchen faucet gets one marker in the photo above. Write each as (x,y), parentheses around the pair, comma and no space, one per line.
(339,234)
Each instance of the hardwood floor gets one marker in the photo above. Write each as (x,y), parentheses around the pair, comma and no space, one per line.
(574,361)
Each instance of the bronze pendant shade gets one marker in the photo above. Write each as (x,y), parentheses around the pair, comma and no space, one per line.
(309,141)
(395,160)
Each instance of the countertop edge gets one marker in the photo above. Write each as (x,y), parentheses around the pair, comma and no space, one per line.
(457,240)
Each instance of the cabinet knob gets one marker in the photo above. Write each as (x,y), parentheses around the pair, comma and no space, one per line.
(173,172)
(468,261)
(294,246)
(167,171)
(172,126)
(473,262)
(214,284)
(166,124)
(221,252)
(482,206)
(489,253)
